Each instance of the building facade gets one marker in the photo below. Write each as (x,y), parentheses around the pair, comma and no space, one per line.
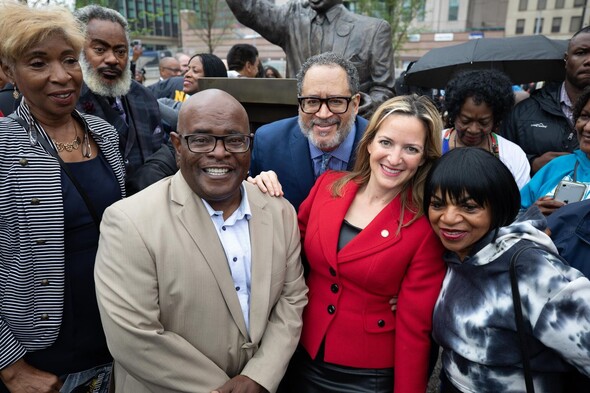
(558,19)
(156,22)
(451,22)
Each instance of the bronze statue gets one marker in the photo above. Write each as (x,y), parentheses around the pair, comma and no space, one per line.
(309,27)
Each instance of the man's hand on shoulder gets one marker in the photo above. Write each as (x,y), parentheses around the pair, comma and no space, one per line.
(240,384)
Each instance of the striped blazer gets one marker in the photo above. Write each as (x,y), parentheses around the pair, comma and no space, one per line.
(32,234)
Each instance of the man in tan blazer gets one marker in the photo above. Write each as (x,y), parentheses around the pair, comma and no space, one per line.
(198,277)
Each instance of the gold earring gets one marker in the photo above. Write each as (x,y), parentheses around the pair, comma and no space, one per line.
(15,93)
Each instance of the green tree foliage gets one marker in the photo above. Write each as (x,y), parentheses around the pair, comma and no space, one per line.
(399,14)
(210,22)
(114,4)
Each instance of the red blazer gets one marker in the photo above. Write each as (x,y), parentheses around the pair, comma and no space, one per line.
(349,291)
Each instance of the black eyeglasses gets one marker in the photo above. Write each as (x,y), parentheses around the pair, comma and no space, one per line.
(175,70)
(205,143)
(336,105)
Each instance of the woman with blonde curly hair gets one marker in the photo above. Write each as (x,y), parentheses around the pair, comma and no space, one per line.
(59,170)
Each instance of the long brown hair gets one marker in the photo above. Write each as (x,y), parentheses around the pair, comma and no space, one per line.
(424,110)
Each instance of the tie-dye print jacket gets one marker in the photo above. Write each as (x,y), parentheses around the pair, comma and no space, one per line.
(474,315)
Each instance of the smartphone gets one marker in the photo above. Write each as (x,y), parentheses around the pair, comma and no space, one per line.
(136,43)
(569,191)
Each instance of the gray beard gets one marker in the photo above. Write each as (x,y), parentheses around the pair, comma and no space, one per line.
(96,84)
(339,137)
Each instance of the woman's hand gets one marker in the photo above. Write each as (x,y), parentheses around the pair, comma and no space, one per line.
(267,182)
(548,205)
(20,377)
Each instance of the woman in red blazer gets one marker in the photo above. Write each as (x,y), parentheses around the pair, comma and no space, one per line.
(366,241)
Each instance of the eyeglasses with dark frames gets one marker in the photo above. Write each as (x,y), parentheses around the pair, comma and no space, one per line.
(205,143)
(337,105)
(175,70)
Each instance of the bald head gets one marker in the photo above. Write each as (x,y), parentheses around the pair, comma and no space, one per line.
(212,102)
(169,67)
(183,60)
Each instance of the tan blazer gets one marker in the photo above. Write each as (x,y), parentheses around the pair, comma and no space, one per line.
(168,304)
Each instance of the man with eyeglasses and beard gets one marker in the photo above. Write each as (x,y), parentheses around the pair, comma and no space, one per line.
(207,294)
(110,92)
(324,135)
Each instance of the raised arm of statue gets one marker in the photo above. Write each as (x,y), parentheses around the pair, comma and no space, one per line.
(268,20)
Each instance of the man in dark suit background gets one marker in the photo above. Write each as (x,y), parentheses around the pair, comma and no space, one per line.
(306,28)
(7,101)
(109,91)
(323,136)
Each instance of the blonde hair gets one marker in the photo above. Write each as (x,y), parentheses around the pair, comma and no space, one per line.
(424,110)
(22,27)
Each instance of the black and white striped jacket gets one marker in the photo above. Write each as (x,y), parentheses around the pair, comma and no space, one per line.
(32,234)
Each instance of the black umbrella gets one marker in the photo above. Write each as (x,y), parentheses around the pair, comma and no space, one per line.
(524,59)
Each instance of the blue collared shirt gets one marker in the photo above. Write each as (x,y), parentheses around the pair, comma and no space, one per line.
(340,155)
(234,234)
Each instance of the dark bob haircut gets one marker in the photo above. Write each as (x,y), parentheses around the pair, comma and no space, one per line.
(213,66)
(479,174)
(490,86)
(581,103)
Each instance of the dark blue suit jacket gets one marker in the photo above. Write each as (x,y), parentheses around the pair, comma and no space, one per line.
(282,147)
(142,134)
(570,231)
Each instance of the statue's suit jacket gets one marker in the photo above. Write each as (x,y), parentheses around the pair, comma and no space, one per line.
(363,40)
(281,146)
(168,304)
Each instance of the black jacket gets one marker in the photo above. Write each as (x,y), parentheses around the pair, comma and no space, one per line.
(7,102)
(169,88)
(538,124)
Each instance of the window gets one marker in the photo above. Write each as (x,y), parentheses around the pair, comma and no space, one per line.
(538,25)
(421,12)
(541,4)
(453,10)
(522,5)
(578,3)
(556,25)
(519,26)
(575,24)
(559,4)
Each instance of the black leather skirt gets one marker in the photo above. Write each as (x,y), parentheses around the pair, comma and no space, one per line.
(306,375)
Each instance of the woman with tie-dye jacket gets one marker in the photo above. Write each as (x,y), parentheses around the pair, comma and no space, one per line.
(472,211)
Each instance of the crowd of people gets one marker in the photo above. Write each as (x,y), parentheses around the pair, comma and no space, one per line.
(149,242)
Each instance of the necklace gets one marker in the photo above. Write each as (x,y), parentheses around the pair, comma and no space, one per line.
(75,144)
(68,146)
